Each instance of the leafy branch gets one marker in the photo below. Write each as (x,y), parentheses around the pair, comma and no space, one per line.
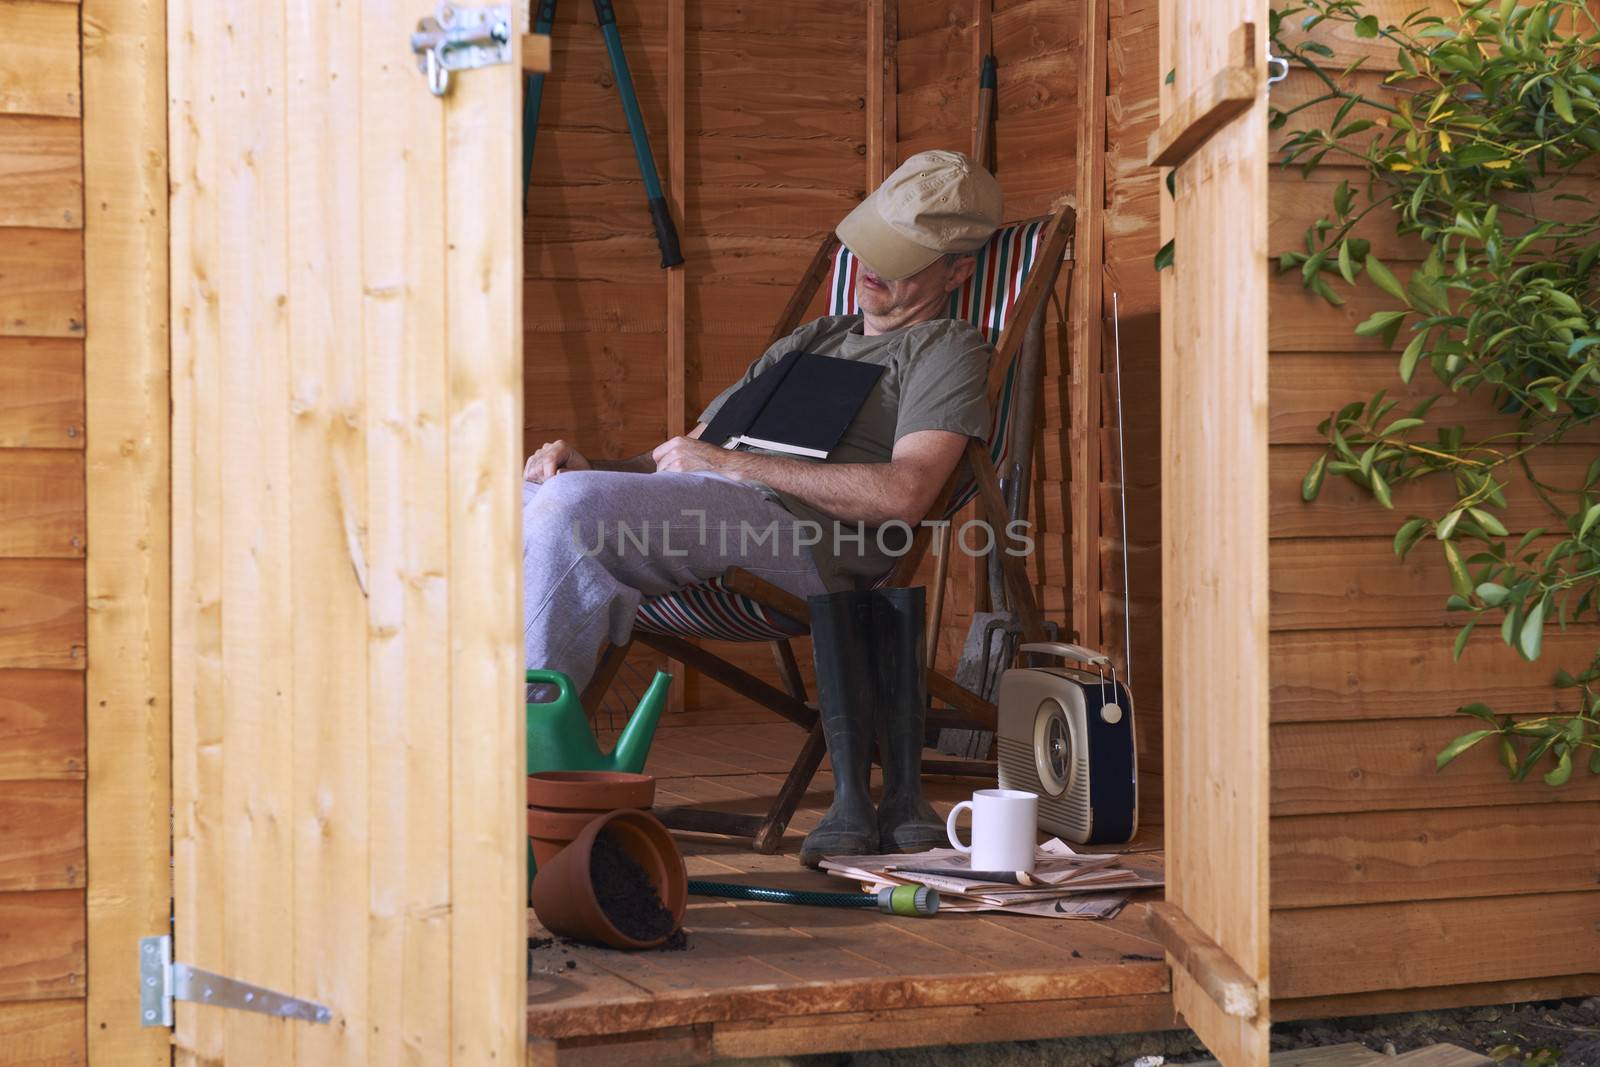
(1473,150)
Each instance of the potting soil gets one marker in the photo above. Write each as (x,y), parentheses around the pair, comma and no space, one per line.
(626,894)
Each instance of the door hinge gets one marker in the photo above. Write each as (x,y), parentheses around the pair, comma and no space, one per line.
(461,38)
(161,982)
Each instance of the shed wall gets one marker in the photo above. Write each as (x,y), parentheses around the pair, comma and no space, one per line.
(1386,875)
(43,617)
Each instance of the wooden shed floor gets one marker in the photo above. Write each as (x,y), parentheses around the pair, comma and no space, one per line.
(770,979)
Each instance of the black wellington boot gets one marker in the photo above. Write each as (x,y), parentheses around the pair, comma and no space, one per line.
(841,648)
(905,822)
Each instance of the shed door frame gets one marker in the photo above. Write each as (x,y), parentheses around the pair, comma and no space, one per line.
(1214,921)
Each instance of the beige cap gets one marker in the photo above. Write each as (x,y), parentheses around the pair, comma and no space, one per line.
(934,203)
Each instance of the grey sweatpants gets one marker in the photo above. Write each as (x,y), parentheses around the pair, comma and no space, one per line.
(594,543)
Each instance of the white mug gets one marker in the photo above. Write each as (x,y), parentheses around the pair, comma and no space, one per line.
(1004,829)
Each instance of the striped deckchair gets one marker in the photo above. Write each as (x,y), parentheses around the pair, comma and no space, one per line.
(1003,296)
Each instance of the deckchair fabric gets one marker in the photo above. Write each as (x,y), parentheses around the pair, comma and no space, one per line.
(711,610)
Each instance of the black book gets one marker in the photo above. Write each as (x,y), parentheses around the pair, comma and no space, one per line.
(801,405)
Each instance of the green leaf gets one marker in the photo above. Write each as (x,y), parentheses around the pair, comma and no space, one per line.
(1447,525)
(1407,536)
(1164,257)
(1460,745)
(1347,268)
(1562,772)
(1492,593)
(1398,426)
(1385,280)
(1589,519)
(1380,489)
(1367,26)
(1562,102)
(1488,521)
(1171,76)
(1460,646)
(1343,198)
(1380,322)
(1311,485)
(1594,762)
(1531,640)
(1460,581)
(1409,358)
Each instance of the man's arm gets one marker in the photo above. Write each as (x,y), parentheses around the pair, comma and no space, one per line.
(644,462)
(874,493)
(558,456)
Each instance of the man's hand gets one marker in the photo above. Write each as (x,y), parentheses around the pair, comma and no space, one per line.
(688,454)
(552,458)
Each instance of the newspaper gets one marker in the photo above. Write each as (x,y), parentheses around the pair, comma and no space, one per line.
(1064,884)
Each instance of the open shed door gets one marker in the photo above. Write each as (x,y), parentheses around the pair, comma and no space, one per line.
(1214,519)
(346,374)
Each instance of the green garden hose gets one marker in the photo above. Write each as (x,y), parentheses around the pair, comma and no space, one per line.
(896,900)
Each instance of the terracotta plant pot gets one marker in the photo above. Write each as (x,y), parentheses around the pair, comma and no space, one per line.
(562,803)
(590,790)
(564,894)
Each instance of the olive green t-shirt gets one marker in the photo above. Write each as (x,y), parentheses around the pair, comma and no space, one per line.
(935,377)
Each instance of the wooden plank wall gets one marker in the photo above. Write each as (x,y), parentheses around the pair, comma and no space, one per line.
(1386,875)
(42,537)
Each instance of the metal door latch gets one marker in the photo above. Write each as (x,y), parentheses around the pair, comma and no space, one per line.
(161,982)
(461,38)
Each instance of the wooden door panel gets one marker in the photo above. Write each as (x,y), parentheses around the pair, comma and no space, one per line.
(1214,511)
(347,406)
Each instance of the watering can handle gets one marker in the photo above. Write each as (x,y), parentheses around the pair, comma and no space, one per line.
(1073,652)
(555,678)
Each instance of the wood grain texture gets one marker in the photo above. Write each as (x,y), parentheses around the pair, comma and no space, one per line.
(41,945)
(1319,952)
(1214,478)
(128,579)
(408,555)
(1463,995)
(332,789)
(41,393)
(1388,765)
(40,67)
(41,835)
(1387,673)
(1433,854)
(41,725)
(43,1033)
(44,503)
(488,864)
(42,613)
(1352,583)
(41,171)
(41,283)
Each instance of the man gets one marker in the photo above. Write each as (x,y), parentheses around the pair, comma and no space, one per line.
(599,535)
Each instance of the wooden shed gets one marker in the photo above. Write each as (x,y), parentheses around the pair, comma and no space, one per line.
(273,345)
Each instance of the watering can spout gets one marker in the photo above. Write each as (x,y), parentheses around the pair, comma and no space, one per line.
(634,744)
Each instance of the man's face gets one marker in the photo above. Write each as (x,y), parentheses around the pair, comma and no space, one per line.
(927,290)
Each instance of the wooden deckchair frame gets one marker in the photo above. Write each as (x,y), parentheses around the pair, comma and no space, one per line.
(968,711)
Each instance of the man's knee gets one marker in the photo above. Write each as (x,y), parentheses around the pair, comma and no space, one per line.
(562,508)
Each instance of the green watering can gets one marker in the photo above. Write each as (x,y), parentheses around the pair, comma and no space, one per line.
(560,738)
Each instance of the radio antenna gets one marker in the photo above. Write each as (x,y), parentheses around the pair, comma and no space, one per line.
(1122,492)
